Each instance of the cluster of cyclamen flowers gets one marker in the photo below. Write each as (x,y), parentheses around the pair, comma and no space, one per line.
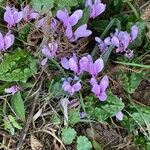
(86,64)
(120,40)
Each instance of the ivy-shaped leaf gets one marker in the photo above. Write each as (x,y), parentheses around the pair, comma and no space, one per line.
(103,110)
(74,116)
(42,6)
(17,66)
(83,143)
(66,3)
(18,105)
(131,81)
(68,135)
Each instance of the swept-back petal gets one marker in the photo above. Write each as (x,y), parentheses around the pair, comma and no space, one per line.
(65,63)
(104,83)
(74,18)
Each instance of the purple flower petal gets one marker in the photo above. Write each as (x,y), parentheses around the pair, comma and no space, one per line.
(73,65)
(134,32)
(93,81)
(9,40)
(34,15)
(99,65)
(74,18)
(82,32)
(12,90)
(119,115)
(65,63)
(69,32)
(44,61)
(102,96)
(77,86)
(96,89)
(104,83)
(17,16)
(63,16)
(46,52)
(1,42)
(97,9)
(8,16)
(115,41)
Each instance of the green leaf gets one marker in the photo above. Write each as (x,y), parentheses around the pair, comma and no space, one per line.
(14,123)
(17,66)
(106,54)
(18,105)
(55,119)
(66,3)
(103,110)
(74,116)
(131,81)
(68,135)
(42,6)
(83,143)
(96,145)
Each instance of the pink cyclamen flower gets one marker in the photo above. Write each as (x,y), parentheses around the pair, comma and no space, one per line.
(100,89)
(120,40)
(41,22)
(49,51)
(87,64)
(71,63)
(71,85)
(29,13)
(80,32)
(69,20)
(119,115)
(12,16)
(96,8)
(6,41)
(12,90)
(103,45)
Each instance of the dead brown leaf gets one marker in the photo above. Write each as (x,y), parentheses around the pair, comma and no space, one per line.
(35,143)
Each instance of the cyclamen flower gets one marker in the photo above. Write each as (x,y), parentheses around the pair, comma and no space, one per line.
(71,63)
(96,8)
(12,16)
(69,20)
(6,41)
(49,51)
(119,115)
(103,45)
(29,13)
(87,64)
(120,40)
(71,85)
(100,89)
(12,90)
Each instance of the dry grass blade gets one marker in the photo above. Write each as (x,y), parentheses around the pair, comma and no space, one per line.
(146,13)
(123,69)
(35,143)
